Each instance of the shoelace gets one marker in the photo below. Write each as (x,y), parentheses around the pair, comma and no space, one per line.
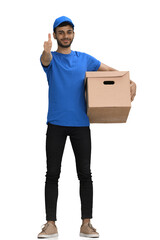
(44,226)
(90,225)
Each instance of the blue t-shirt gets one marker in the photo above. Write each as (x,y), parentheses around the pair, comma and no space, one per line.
(66,75)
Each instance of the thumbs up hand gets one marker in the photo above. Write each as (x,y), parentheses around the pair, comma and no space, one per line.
(48,44)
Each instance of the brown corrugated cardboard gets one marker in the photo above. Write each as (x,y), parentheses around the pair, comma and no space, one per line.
(107,96)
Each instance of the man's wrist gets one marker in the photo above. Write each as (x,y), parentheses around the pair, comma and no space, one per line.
(46,58)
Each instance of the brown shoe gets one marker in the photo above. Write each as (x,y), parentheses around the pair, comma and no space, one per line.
(87,230)
(49,230)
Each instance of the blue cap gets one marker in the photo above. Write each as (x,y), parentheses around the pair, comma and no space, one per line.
(59,20)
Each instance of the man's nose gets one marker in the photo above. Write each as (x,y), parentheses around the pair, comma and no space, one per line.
(66,35)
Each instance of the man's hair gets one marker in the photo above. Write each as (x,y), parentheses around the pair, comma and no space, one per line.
(62,25)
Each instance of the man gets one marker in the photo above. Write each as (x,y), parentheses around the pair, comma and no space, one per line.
(65,70)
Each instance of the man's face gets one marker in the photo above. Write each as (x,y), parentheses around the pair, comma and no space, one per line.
(64,36)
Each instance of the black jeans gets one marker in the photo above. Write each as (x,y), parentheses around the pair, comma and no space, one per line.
(80,138)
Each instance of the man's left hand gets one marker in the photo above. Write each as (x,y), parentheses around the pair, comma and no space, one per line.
(132,89)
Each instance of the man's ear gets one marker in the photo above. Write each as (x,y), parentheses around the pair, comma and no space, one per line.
(54,35)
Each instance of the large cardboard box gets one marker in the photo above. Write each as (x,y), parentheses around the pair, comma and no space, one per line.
(107,96)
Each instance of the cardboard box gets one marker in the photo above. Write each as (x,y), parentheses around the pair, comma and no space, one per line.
(107,96)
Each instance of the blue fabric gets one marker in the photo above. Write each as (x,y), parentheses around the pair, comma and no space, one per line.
(66,75)
(59,20)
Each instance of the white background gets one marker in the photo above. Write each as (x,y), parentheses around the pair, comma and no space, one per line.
(125,157)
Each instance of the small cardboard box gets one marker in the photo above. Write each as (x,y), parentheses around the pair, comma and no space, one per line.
(107,96)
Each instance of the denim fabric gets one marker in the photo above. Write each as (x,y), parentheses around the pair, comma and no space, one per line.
(80,138)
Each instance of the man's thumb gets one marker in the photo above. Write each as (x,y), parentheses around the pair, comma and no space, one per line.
(49,37)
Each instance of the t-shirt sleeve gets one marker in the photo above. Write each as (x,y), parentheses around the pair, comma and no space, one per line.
(92,63)
(46,68)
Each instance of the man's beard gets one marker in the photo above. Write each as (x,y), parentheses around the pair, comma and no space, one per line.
(64,46)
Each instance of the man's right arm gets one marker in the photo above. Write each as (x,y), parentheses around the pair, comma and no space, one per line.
(46,58)
(46,55)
